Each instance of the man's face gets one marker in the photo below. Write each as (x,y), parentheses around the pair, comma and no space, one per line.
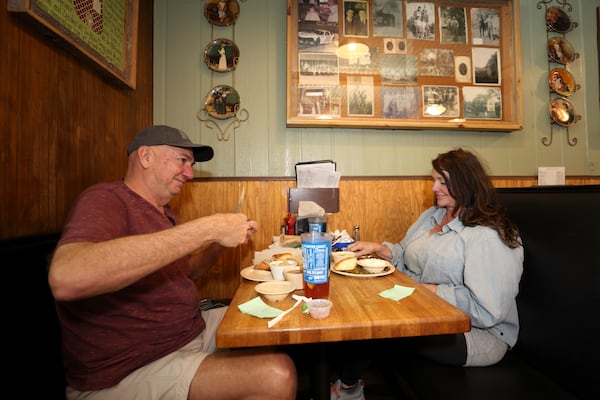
(171,167)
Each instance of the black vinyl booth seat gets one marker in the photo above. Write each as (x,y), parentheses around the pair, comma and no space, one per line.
(559,304)
(34,330)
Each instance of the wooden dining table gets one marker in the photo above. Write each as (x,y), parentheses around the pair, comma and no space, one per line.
(358,313)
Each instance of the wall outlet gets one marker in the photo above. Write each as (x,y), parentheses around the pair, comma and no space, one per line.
(593,166)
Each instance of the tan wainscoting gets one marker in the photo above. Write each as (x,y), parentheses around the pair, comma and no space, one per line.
(383,208)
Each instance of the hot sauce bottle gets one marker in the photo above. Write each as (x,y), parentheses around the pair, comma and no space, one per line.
(290,224)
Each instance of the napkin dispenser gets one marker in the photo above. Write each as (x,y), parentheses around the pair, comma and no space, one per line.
(327,198)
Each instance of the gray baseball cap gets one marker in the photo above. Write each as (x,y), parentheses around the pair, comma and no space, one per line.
(157,135)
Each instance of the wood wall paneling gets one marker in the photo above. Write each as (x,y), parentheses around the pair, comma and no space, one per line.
(383,208)
(64,125)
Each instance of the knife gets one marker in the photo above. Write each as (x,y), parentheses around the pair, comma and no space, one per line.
(238,208)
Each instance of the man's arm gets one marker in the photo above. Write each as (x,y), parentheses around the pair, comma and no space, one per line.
(81,270)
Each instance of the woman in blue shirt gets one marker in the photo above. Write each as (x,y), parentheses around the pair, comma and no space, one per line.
(467,251)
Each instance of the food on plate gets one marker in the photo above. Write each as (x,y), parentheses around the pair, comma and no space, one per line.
(281,256)
(345,264)
(291,241)
(264,264)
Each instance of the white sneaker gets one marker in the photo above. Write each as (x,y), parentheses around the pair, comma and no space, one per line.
(356,392)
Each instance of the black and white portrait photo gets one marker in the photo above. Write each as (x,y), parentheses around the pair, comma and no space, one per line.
(420,21)
(485,26)
(486,66)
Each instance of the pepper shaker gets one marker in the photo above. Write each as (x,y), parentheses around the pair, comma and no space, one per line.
(356,234)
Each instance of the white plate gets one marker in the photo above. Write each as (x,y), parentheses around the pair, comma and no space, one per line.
(256,275)
(388,270)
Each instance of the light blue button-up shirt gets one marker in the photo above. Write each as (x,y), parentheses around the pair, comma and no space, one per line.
(473,269)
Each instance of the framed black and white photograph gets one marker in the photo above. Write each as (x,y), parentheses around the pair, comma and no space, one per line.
(420,21)
(482,102)
(360,96)
(356,18)
(436,62)
(407,65)
(440,101)
(486,66)
(462,69)
(485,26)
(388,19)
(318,101)
(400,102)
(453,25)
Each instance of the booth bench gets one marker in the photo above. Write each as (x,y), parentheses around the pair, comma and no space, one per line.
(556,356)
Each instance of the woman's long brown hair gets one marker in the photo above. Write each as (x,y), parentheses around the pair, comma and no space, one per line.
(475,194)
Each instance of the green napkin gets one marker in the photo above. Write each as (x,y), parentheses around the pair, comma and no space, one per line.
(397,292)
(257,308)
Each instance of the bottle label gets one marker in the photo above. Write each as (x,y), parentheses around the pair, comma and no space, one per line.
(314,227)
(316,257)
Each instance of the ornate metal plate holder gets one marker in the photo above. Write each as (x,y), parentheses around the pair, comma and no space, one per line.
(560,81)
(222,55)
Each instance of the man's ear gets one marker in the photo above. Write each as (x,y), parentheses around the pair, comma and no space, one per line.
(144,154)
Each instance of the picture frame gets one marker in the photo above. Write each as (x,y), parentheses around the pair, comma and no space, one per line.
(417,66)
(103,32)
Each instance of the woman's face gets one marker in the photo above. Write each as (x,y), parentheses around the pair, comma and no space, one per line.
(443,198)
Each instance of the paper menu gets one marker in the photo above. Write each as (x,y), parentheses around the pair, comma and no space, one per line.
(317,174)
(551,176)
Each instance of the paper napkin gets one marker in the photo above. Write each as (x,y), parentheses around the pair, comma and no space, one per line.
(397,292)
(257,308)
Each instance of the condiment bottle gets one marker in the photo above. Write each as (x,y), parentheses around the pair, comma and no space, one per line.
(290,224)
(356,234)
(316,253)
(317,224)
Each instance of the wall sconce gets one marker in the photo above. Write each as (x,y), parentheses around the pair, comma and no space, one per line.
(352,50)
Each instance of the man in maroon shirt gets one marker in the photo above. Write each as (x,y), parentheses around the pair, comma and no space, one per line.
(123,277)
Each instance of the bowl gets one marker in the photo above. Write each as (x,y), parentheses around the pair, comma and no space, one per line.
(373,265)
(274,290)
(278,266)
(319,308)
(296,276)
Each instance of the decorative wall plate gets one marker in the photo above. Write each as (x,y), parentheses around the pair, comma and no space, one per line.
(562,112)
(221,12)
(221,55)
(222,102)
(561,81)
(558,20)
(560,50)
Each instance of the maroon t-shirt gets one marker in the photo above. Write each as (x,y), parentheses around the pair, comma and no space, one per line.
(106,337)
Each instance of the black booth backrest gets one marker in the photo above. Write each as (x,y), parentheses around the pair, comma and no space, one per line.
(35,326)
(559,298)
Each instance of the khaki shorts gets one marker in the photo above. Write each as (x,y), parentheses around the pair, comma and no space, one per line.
(168,377)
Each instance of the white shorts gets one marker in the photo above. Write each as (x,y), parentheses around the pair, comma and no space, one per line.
(168,377)
(483,348)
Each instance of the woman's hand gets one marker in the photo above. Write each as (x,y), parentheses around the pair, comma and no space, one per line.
(368,248)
